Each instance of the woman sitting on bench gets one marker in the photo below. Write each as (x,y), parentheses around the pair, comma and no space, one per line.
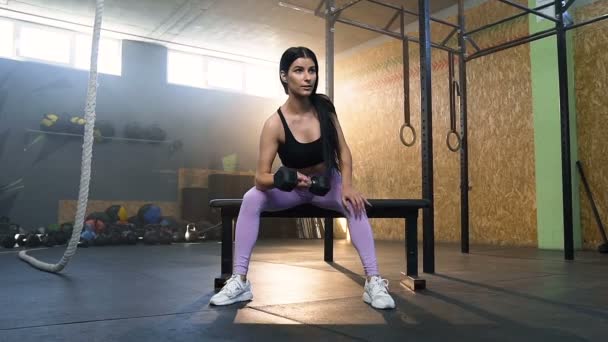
(307,136)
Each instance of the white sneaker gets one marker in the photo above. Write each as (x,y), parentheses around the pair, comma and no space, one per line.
(376,293)
(235,290)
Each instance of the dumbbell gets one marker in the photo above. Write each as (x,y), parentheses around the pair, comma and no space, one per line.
(286,180)
(320,185)
(9,241)
(47,240)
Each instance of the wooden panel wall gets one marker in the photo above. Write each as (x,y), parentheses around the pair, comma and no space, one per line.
(369,99)
(591,75)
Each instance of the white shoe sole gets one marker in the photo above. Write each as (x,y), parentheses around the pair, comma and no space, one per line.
(245,296)
(367,299)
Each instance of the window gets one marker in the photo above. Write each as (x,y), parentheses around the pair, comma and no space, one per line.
(45,44)
(28,41)
(204,71)
(224,74)
(109,59)
(262,81)
(185,69)
(7,39)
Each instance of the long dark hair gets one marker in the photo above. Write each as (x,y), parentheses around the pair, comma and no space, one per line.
(322,103)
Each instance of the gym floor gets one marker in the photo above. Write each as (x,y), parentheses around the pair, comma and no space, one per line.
(161,293)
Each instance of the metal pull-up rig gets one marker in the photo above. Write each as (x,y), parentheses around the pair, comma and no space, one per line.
(327,9)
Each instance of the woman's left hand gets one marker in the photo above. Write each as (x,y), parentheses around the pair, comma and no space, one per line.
(356,200)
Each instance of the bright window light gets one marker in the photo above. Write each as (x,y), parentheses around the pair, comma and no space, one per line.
(109,59)
(262,81)
(224,74)
(45,44)
(7,47)
(185,69)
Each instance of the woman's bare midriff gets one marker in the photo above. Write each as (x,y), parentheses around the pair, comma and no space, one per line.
(311,170)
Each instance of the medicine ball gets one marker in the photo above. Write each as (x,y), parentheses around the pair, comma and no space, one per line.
(152,235)
(117,213)
(155,133)
(134,130)
(53,227)
(60,238)
(149,214)
(48,121)
(99,215)
(98,226)
(134,220)
(66,227)
(48,240)
(53,123)
(106,129)
(88,235)
(76,125)
(97,136)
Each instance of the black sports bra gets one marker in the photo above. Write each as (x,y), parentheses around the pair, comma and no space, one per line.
(296,155)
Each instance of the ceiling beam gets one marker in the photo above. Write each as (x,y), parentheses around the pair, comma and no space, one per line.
(180,19)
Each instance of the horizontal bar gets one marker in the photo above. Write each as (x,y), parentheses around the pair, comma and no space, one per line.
(528,10)
(568,4)
(381,3)
(109,137)
(390,23)
(296,7)
(502,21)
(514,43)
(435,45)
(319,7)
(470,40)
(352,3)
(590,21)
(369,27)
(390,33)
(445,41)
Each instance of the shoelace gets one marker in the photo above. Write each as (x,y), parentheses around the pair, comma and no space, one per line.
(232,286)
(380,285)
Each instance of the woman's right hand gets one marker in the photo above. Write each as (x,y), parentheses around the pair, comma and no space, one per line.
(304,181)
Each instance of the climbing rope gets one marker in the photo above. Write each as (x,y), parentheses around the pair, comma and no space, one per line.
(87,154)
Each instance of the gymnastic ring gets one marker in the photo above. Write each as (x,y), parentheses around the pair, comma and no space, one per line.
(458,139)
(403,138)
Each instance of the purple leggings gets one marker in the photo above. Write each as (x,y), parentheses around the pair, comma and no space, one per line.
(256,201)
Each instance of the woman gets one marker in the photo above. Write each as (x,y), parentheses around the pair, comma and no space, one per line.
(307,136)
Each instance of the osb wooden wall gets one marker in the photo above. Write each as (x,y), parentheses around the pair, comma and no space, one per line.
(199,177)
(186,178)
(369,99)
(591,75)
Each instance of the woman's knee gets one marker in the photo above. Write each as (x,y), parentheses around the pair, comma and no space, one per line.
(352,216)
(255,198)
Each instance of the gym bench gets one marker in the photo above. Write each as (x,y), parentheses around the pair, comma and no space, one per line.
(381,208)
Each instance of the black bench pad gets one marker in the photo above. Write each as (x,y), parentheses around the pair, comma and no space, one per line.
(380,208)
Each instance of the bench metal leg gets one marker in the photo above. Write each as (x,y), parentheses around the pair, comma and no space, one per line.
(411,280)
(329,239)
(226,253)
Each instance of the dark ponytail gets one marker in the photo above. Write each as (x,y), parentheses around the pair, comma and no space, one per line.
(323,105)
(327,116)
